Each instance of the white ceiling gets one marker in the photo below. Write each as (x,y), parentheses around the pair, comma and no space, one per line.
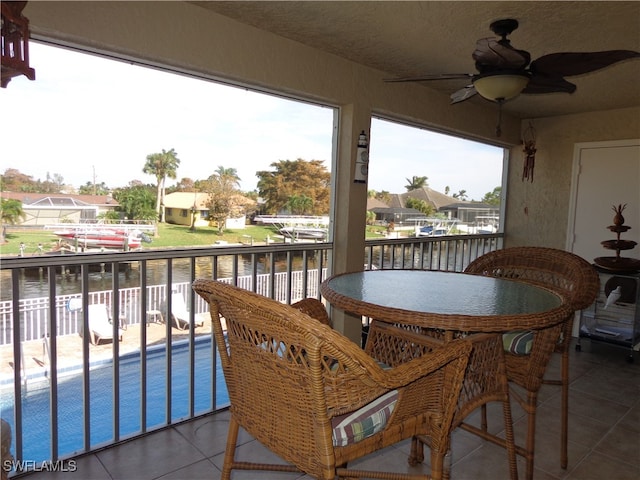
(413,38)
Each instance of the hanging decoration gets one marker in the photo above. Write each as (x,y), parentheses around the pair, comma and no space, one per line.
(15,43)
(362,159)
(529,142)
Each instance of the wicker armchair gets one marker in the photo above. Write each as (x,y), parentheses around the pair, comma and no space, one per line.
(294,385)
(577,281)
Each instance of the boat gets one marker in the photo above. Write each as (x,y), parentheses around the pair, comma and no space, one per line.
(104,238)
(487,224)
(304,232)
(298,227)
(436,228)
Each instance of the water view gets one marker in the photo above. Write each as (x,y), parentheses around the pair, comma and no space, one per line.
(34,281)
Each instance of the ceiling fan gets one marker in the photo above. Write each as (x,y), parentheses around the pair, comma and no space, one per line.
(505,72)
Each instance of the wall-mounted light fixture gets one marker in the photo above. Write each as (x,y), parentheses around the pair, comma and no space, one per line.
(362,160)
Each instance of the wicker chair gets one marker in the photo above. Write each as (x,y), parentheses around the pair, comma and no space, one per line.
(578,282)
(485,381)
(294,384)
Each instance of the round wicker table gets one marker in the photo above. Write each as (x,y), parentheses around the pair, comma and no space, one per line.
(445,300)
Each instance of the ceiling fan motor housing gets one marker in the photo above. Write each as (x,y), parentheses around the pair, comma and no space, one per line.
(504,27)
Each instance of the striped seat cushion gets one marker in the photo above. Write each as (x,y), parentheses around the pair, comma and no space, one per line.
(518,343)
(364,422)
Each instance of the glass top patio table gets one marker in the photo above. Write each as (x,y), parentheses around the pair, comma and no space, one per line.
(447,300)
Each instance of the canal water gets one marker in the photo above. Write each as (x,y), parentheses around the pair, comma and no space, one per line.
(33,282)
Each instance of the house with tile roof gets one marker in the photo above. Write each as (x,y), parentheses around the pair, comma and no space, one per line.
(464,212)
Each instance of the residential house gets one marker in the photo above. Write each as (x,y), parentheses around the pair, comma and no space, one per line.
(192,208)
(430,196)
(467,213)
(42,209)
(187,208)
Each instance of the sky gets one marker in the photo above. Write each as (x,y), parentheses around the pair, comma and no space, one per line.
(85,116)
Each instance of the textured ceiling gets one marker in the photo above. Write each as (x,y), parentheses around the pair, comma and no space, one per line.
(417,38)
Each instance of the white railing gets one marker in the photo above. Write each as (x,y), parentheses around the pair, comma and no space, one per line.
(34,312)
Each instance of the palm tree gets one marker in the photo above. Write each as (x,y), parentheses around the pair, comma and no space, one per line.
(299,204)
(161,165)
(461,195)
(10,212)
(416,182)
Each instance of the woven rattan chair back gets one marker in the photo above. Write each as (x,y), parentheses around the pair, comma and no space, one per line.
(577,282)
(288,375)
(562,271)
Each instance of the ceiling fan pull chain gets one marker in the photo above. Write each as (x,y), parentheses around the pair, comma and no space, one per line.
(499,125)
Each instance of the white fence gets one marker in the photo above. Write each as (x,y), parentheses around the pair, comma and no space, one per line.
(34,312)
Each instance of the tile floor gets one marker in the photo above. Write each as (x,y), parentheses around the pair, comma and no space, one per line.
(604,437)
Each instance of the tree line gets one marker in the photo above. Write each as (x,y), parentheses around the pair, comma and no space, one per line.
(297,187)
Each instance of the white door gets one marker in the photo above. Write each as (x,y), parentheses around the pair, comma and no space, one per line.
(604,174)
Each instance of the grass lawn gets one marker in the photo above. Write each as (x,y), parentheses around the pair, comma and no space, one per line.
(168,236)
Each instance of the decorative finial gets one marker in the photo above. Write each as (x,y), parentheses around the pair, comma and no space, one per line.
(618,219)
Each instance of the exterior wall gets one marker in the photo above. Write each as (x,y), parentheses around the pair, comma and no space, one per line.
(538,211)
(177,216)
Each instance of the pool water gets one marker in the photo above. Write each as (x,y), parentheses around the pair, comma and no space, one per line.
(36,398)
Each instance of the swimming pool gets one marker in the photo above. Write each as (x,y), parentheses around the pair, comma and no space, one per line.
(36,414)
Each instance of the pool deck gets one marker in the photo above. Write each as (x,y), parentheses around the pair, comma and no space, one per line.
(69,349)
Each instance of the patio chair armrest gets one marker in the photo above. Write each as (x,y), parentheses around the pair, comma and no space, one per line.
(439,356)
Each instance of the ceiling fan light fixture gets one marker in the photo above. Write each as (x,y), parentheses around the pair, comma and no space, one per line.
(499,87)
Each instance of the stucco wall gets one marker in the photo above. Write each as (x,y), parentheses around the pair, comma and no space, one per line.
(538,211)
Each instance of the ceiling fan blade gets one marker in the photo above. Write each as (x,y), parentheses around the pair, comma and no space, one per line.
(423,78)
(491,54)
(541,83)
(463,94)
(566,64)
